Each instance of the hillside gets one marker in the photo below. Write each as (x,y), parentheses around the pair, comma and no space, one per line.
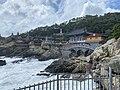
(96,24)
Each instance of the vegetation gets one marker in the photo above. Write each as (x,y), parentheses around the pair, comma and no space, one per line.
(116,31)
(95,24)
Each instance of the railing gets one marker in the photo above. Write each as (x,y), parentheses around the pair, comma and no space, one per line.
(86,83)
(70,46)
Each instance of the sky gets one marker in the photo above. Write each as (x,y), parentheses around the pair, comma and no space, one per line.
(24,15)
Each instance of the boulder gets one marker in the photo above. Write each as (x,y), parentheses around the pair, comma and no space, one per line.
(75,65)
(17,61)
(42,73)
(61,66)
(82,67)
(2,62)
(115,64)
(52,53)
(104,53)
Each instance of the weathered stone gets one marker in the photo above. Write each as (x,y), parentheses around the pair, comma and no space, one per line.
(118,43)
(18,61)
(42,73)
(81,58)
(61,66)
(104,72)
(105,55)
(2,62)
(82,67)
(96,72)
(115,64)
(31,51)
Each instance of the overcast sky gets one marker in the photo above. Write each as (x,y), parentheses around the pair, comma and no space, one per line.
(23,15)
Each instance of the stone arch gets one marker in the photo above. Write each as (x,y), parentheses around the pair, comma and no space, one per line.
(88,52)
(80,52)
(73,53)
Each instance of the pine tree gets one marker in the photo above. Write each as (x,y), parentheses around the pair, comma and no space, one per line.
(116,31)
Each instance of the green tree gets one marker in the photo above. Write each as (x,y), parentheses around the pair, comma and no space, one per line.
(116,31)
(108,32)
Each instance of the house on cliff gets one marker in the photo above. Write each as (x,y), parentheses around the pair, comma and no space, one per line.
(83,37)
(78,36)
(94,37)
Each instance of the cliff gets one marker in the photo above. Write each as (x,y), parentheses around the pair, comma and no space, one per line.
(43,52)
(97,63)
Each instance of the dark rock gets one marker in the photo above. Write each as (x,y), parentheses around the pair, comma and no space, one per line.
(2,62)
(65,76)
(61,66)
(73,54)
(42,73)
(44,58)
(88,52)
(18,61)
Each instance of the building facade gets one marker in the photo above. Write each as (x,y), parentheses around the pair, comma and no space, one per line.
(81,37)
(78,36)
(94,38)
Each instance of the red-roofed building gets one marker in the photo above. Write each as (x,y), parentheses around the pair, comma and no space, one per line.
(94,37)
(37,42)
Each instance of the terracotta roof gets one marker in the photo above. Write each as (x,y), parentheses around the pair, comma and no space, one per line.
(94,35)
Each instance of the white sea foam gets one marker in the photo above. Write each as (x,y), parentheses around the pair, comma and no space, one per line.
(16,75)
(24,73)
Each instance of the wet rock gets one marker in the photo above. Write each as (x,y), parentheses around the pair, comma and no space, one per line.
(40,52)
(61,66)
(42,73)
(82,67)
(17,61)
(2,62)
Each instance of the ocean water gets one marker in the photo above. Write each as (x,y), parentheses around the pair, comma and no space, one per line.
(21,74)
(24,74)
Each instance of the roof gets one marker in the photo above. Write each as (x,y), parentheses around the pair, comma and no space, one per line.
(79,31)
(94,35)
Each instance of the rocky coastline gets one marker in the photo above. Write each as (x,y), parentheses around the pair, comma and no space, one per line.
(42,53)
(2,62)
(102,57)
(97,64)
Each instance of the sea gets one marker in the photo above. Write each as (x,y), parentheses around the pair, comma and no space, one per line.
(14,75)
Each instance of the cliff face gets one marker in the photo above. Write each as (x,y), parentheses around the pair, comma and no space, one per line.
(44,52)
(105,55)
(97,63)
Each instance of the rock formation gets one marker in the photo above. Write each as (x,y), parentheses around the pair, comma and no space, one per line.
(97,63)
(72,65)
(105,55)
(44,52)
(2,62)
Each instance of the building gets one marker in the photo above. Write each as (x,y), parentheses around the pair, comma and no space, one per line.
(37,42)
(81,37)
(22,43)
(94,38)
(78,36)
(47,40)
